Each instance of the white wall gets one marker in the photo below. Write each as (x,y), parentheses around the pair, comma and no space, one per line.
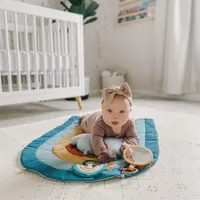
(128,47)
(46,3)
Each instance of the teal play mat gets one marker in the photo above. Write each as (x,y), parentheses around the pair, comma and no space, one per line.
(38,156)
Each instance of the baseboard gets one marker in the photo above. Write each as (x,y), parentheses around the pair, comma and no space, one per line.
(154,94)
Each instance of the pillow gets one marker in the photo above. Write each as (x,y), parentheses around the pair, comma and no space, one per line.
(83,143)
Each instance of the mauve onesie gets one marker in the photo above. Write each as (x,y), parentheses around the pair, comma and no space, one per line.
(94,124)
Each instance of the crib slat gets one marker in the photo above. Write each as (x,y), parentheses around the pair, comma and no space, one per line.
(54,41)
(66,53)
(16,38)
(75,54)
(72,52)
(62,41)
(51,52)
(59,53)
(27,53)
(8,52)
(35,52)
(44,52)
(80,54)
(77,57)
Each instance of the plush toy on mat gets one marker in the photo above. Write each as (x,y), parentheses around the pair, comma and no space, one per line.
(113,121)
(83,143)
(89,168)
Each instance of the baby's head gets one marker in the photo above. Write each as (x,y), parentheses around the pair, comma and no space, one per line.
(116,105)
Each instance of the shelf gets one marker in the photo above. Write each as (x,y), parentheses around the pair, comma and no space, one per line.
(135,21)
(136,13)
(128,2)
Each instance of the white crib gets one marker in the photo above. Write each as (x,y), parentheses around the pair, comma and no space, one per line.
(39,59)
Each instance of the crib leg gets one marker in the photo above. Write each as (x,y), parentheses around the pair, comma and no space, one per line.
(79,101)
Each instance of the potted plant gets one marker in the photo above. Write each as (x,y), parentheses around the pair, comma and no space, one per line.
(83,7)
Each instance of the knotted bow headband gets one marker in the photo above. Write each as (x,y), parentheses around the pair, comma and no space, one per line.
(124,90)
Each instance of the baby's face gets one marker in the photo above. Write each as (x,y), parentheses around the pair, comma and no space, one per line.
(117,113)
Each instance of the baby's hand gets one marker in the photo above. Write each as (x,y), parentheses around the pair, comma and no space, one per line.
(130,154)
(106,157)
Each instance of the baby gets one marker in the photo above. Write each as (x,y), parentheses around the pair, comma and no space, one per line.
(113,121)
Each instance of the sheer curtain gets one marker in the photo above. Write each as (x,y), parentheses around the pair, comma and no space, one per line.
(177,47)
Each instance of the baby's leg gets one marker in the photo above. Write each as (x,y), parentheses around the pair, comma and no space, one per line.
(86,122)
(83,123)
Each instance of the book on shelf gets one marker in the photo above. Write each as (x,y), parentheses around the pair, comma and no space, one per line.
(138,12)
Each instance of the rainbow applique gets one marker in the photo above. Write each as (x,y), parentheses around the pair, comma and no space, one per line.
(89,168)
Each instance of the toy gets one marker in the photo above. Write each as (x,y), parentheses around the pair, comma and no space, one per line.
(142,157)
(83,143)
(89,168)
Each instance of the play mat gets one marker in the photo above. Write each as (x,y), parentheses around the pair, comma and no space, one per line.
(53,157)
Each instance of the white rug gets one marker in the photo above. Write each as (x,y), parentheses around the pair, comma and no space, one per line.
(175,176)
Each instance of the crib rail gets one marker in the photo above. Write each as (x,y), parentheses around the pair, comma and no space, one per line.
(38,56)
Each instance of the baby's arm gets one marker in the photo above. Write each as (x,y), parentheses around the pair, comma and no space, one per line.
(130,137)
(101,150)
